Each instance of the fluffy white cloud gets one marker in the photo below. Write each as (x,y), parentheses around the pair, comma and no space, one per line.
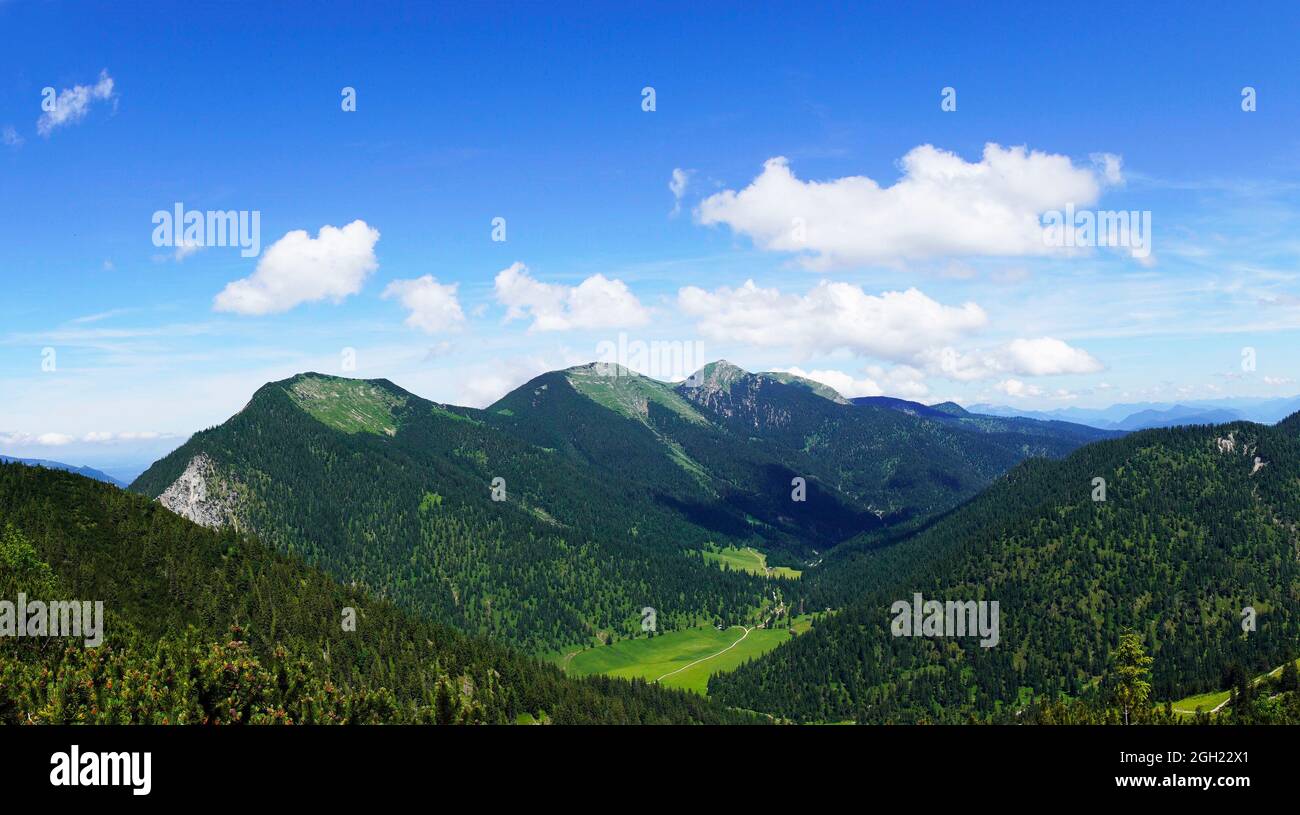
(1044,356)
(905,327)
(894,325)
(596,302)
(489,382)
(481,391)
(10,137)
(432,305)
(902,381)
(72,104)
(1019,390)
(942,206)
(301,269)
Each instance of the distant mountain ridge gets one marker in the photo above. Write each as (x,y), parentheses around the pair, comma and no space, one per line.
(88,472)
(1144,415)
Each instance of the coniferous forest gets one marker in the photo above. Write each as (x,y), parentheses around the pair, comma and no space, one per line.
(212,627)
(1197,524)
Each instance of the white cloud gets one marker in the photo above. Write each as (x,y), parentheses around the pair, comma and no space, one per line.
(187,248)
(129,435)
(677,185)
(894,325)
(1019,390)
(1044,356)
(433,306)
(901,381)
(943,206)
(10,137)
(64,439)
(596,302)
(1278,380)
(481,391)
(72,104)
(1047,356)
(491,381)
(43,439)
(300,269)
(1111,167)
(905,327)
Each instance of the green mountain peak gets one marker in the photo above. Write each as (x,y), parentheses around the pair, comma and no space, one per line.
(626,392)
(717,375)
(350,405)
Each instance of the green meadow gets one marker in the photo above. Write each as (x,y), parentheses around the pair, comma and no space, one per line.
(679,659)
(1209,701)
(749,560)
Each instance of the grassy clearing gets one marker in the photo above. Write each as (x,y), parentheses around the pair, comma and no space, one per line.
(749,560)
(628,393)
(1209,701)
(350,405)
(669,657)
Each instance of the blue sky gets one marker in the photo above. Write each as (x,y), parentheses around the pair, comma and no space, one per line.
(920,282)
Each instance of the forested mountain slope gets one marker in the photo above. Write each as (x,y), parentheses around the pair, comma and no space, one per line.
(724,446)
(642,434)
(902,465)
(378,486)
(607,483)
(207,626)
(1197,524)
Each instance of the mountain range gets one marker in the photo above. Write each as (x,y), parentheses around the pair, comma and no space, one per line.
(552,517)
(1144,415)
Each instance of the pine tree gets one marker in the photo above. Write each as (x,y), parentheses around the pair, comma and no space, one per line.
(1132,676)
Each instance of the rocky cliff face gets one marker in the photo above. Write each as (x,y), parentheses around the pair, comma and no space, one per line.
(735,394)
(202,494)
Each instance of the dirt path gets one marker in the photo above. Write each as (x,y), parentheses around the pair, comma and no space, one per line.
(710,656)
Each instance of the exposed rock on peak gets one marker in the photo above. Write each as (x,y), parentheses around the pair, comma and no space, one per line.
(202,495)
